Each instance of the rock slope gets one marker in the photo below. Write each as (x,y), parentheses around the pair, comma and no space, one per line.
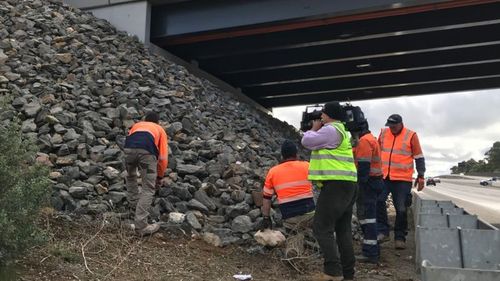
(77,85)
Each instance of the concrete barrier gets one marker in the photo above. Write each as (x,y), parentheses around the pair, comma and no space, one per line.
(432,220)
(446,204)
(454,245)
(481,249)
(431,272)
(462,221)
(440,246)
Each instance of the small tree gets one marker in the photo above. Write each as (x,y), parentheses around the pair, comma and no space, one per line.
(24,187)
(493,156)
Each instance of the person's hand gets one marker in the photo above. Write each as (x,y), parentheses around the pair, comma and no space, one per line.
(267,223)
(419,183)
(317,124)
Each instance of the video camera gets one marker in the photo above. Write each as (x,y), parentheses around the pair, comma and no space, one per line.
(311,113)
(354,117)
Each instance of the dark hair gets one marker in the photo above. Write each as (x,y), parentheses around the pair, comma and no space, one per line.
(288,149)
(334,110)
(152,117)
(364,127)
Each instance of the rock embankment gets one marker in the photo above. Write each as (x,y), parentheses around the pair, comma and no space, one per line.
(77,85)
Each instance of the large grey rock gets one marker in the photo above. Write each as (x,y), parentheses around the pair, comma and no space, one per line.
(193,221)
(78,191)
(182,191)
(242,224)
(166,205)
(194,204)
(32,108)
(254,214)
(111,173)
(69,202)
(97,152)
(217,219)
(203,198)
(98,208)
(237,210)
(116,196)
(28,126)
(188,169)
(3,57)
(71,135)
(238,196)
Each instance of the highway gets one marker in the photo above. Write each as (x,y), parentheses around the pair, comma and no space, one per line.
(470,195)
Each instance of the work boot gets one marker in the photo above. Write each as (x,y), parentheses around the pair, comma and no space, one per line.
(399,245)
(148,230)
(325,277)
(381,238)
(365,259)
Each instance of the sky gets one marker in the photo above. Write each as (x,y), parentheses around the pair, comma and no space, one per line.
(451,127)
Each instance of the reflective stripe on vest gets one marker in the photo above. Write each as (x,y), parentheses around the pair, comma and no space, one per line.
(397,160)
(370,242)
(292,184)
(367,221)
(368,150)
(334,157)
(334,164)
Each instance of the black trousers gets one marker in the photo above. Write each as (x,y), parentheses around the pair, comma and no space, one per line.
(334,214)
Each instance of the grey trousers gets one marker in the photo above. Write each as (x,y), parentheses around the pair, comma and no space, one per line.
(140,199)
(334,214)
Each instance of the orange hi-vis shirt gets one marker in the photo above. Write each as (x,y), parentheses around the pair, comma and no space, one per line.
(368,150)
(137,139)
(288,181)
(398,153)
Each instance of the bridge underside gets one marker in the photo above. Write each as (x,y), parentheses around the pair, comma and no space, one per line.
(433,48)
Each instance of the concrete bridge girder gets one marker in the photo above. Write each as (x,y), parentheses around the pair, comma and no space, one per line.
(318,50)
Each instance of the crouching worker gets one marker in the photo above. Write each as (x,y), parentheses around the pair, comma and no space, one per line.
(146,149)
(288,180)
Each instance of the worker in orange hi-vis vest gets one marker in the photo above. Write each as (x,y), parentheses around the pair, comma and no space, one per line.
(288,181)
(400,147)
(369,165)
(146,150)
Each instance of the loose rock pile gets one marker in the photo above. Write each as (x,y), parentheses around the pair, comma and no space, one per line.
(77,85)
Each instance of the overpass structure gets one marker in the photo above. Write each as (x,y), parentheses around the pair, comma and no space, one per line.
(291,52)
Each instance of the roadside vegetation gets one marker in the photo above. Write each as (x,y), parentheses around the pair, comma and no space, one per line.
(24,188)
(491,163)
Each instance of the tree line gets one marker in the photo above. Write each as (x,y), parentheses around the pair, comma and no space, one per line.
(490,163)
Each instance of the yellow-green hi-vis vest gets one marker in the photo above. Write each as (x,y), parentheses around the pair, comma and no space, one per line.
(334,164)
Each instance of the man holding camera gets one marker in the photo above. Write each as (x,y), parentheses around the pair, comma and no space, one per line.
(332,168)
(399,146)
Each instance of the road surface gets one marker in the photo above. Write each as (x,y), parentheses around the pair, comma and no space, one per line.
(470,195)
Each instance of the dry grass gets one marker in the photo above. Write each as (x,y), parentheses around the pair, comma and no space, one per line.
(102,250)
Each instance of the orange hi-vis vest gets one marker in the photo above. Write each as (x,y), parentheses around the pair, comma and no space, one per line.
(153,138)
(397,156)
(289,181)
(368,150)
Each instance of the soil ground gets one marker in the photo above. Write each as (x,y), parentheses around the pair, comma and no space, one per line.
(98,251)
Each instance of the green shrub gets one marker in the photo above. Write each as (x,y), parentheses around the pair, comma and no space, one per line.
(24,188)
